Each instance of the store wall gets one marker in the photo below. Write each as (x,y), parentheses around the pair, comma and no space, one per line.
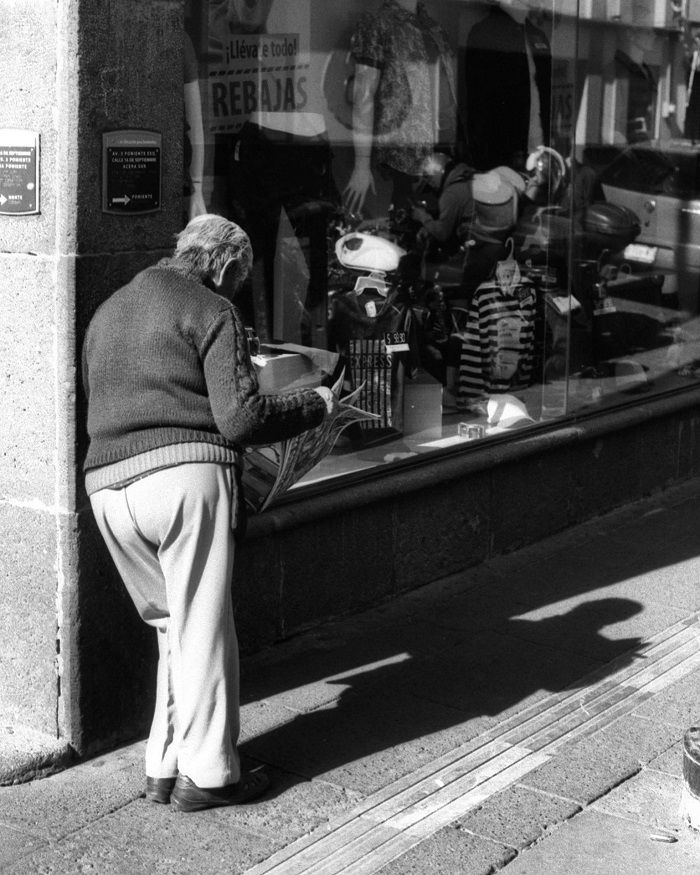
(340,551)
(75,661)
(36,523)
(73,658)
(130,77)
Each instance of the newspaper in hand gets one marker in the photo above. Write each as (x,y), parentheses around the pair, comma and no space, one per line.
(269,472)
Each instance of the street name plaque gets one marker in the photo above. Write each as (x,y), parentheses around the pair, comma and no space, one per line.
(19,172)
(131,172)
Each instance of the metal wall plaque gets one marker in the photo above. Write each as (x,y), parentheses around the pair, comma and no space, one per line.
(19,172)
(131,172)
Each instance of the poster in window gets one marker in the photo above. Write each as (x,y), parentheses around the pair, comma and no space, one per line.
(258,61)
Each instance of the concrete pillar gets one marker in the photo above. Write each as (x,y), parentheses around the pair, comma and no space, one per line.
(73,657)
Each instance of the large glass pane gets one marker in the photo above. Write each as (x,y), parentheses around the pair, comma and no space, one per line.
(635,139)
(481,213)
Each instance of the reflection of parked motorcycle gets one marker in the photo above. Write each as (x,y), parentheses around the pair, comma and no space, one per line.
(620,310)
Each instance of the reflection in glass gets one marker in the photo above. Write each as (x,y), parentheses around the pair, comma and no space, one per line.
(489,210)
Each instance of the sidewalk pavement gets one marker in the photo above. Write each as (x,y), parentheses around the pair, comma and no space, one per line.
(525,716)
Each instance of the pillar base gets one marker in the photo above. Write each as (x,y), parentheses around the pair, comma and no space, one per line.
(26,755)
(690,800)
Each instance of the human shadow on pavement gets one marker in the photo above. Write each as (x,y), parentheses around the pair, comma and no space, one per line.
(440,679)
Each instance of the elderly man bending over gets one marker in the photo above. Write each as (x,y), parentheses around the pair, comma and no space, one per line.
(172,398)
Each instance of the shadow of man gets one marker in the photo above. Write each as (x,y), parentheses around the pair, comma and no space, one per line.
(394,717)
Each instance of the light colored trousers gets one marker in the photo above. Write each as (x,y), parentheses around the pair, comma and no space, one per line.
(170,537)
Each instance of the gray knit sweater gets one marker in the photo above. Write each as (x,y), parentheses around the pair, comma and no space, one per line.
(166,368)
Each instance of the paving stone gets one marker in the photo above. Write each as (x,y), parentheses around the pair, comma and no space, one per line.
(415,605)
(679,704)
(147,839)
(482,607)
(371,773)
(364,741)
(259,717)
(451,852)
(334,662)
(15,844)
(291,808)
(664,539)
(55,806)
(600,625)
(670,761)
(594,843)
(651,582)
(474,588)
(641,609)
(650,797)
(518,816)
(25,754)
(660,568)
(586,769)
(495,675)
(642,738)
(453,586)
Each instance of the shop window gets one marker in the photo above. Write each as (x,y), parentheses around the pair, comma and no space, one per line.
(484,214)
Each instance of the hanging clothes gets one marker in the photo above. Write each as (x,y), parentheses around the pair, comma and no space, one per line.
(508,76)
(499,342)
(362,328)
(410,50)
(641,96)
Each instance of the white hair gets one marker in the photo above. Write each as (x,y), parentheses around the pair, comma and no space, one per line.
(209,242)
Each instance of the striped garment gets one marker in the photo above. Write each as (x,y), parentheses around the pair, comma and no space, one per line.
(498,345)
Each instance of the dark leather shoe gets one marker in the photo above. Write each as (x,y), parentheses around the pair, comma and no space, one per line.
(187,796)
(159,789)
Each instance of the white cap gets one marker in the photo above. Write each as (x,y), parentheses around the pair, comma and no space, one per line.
(491,188)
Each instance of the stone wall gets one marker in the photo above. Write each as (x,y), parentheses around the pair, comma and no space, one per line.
(355,546)
(71,71)
(130,77)
(36,380)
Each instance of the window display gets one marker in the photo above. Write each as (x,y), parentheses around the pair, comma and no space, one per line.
(486,211)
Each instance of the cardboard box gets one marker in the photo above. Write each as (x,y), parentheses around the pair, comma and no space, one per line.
(287,366)
(422,406)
